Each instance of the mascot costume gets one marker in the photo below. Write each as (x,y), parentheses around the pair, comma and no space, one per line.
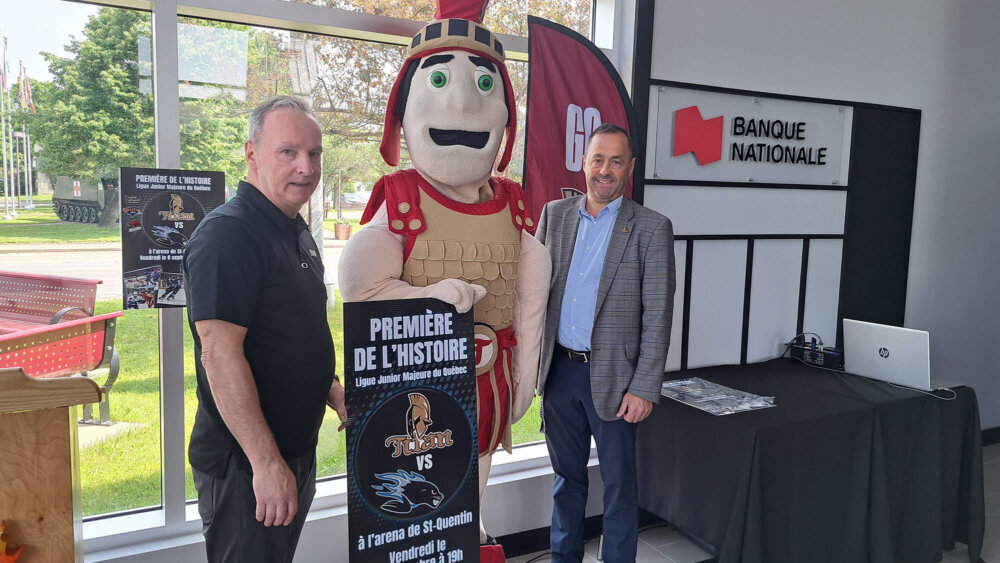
(447,228)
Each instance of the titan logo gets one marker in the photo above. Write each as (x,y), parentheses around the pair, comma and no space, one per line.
(694,134)
(417,439)
(580,122)
(176,210)
(883,352)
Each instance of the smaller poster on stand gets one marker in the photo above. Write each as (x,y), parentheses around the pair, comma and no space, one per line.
(413,485)
(160,209)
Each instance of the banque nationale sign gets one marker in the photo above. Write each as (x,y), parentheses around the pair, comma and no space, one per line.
(721,137)
(411,436)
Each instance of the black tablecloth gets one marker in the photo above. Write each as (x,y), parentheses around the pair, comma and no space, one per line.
(843,470)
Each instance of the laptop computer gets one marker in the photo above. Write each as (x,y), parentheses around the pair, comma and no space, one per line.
(891,354)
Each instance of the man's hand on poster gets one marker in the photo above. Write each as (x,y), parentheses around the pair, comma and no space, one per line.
(634,409)
(335,400)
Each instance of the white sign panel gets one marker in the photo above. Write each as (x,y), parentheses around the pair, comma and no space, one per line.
(720,137)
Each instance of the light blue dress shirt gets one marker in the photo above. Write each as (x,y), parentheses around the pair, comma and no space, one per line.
(579,305)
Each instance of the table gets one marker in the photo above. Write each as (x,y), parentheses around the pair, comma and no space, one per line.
(844,469)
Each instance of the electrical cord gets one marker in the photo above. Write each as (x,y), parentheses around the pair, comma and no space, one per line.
(931,393)
(818,367)
(788,346)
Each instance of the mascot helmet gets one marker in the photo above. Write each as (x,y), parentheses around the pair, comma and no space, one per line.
(459,26)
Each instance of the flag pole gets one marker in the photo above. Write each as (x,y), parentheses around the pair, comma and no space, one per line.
(7,207)
(11,188)
(24,165)
(17,140)
(28,157)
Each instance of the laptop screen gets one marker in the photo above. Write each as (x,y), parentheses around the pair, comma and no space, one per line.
(887,353)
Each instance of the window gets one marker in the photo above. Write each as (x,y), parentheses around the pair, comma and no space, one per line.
(227,69)
(93,114)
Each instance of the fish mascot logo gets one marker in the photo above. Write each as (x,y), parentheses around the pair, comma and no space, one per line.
(406,491)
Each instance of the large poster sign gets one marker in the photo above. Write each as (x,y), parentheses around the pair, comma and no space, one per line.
(160,210)
(714,136)
(572,88)
(411,437)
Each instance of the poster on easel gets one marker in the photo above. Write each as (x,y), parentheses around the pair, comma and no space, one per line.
(411,434)
(160,209)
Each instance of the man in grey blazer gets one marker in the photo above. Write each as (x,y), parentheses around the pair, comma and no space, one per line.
(607,329)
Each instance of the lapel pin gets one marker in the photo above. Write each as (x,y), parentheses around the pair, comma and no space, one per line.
(624,229)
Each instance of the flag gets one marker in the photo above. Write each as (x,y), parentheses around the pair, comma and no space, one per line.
(21,97)
(3,72)
(572,88)
(27,89)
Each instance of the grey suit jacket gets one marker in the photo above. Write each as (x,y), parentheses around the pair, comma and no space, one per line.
(635,301)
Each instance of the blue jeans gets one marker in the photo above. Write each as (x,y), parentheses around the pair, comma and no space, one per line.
(570,420)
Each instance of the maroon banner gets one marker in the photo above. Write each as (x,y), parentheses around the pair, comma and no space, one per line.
(572,88)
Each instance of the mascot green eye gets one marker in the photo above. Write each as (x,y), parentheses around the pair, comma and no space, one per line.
(438,77)
(484,81)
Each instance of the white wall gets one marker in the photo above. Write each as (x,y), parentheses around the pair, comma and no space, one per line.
(940,57)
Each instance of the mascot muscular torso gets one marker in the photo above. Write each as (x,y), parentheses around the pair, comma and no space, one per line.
(447,228)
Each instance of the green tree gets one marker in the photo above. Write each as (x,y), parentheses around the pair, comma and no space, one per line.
(97,113)
(92,119)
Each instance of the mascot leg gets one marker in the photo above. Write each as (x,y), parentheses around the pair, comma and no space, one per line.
(493,406)
(484,474)
(489,550)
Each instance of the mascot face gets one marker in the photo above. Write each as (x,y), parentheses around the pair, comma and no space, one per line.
(455,117)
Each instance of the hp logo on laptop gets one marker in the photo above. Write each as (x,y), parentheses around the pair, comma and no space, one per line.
(883,352)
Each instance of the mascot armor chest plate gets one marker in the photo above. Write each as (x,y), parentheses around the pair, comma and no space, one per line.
(479,249)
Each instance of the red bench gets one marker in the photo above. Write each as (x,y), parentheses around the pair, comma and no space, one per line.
(48,329)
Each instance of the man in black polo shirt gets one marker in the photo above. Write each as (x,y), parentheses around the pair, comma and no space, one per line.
(263,351)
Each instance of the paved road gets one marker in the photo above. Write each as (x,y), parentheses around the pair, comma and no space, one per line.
(101,261)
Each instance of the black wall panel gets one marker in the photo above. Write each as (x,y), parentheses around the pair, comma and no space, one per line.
(879,215)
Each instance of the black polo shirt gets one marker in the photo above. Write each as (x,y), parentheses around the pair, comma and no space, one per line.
(247,263)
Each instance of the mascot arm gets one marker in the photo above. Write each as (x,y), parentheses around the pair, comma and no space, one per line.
(534,272)
(372,263)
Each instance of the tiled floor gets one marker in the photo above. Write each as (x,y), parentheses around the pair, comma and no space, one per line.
(665,545)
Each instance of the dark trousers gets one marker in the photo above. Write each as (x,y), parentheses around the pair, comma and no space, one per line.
(570,420)
(228,507)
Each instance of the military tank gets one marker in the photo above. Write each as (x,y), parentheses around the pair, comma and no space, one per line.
(80,202)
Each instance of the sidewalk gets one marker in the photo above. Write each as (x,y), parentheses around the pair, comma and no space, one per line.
(18,248)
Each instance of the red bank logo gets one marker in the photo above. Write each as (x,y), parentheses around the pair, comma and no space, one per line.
(703,137)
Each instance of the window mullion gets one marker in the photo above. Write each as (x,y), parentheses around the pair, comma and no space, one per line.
(168,155)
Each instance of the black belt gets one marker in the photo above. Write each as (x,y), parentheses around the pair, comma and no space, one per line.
(582,357)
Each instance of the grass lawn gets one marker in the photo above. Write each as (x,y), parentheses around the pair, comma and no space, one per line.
(123,471)
(353,217)
(41,225)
